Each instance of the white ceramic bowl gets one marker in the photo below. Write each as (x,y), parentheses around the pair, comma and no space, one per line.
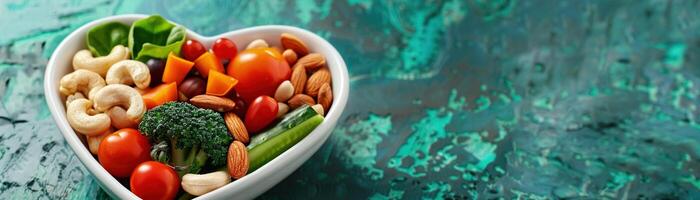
(252,184)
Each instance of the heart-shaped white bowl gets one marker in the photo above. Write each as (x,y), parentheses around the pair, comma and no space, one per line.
(252,184)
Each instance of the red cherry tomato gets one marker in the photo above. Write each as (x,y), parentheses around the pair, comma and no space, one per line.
(192,49)
(123,150)
(259,71)
(154,180)
(261,112)
(224,48)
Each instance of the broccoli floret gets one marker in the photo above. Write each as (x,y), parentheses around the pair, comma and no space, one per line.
(186,136)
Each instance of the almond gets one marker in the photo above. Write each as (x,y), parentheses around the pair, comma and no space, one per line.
(292,42)
(317,79)
(298,78)
(299,100)
(284,91)
(312,61)
(325,96)
(237,160)
(290,56)
(218,104)
(236,127)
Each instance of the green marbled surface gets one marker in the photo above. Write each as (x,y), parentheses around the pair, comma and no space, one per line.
(466,99)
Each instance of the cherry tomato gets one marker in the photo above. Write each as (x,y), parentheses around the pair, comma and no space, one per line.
(259,71)
(224,48)
(123,150)
(261,112)
(192,49)
(154,180)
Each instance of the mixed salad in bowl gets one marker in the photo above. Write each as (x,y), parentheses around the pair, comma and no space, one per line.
(173,118)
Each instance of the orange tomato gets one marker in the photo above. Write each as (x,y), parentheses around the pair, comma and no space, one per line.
(259,71)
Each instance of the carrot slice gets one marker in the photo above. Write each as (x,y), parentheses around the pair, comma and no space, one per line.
(176,69)
(161,94)
(220,84)
(208,61)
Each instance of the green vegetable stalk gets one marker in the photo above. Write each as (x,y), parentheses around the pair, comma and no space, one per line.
(186,137)
(289,121)
(273,147)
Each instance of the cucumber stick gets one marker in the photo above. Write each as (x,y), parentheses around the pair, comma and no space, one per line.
(273,147)
(289,121)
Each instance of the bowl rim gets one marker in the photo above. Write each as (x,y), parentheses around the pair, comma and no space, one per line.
(311,142)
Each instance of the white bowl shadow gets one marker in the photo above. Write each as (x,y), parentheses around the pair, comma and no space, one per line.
(252,184)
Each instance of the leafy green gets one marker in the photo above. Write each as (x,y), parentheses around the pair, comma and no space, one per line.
(101,39)
(155,37)
(194,136)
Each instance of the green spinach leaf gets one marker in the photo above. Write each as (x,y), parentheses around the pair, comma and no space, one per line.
(155,37)
(101,39)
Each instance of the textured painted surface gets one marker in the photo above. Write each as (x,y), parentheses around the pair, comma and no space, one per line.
(449,99)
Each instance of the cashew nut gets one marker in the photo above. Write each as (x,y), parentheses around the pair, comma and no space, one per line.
(259,43)
(94,141)
(84,60)
(319,109)
(129,72)
(120,95)
(119,118)
(79,95)
(199,184)
(73,97)
(82,122)
(82,81)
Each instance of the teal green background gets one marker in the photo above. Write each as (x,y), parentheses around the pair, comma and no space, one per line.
(513,99)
